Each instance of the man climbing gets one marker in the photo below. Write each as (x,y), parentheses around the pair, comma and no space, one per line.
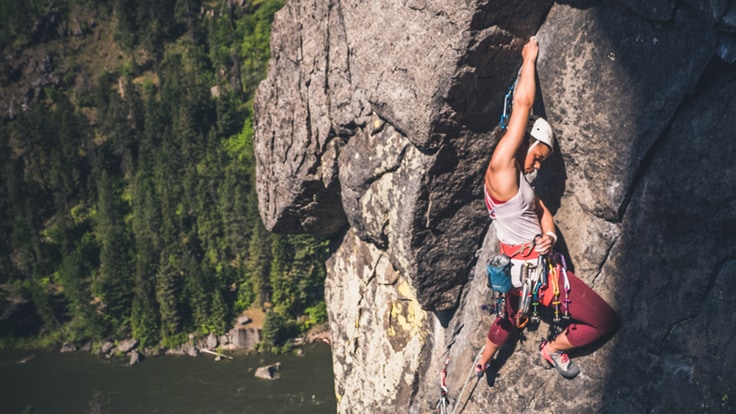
(526,229)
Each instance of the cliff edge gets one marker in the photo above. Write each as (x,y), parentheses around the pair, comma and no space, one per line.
(375,125)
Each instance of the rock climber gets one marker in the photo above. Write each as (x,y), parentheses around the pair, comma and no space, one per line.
(526,229)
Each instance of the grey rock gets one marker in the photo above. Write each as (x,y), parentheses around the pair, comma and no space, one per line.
(661,10)
(212,341)
(728,21)
(189,349)
(726,48)
(712,9)
(106,347)
(126,345)
(268,372)
(376,123)
(245,338)
(135,357)
(68,347)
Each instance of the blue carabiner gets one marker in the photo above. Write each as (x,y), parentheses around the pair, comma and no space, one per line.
(507,104)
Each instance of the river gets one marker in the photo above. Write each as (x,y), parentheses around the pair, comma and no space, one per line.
(52,382)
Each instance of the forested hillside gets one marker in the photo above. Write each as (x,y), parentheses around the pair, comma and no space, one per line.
(127,205)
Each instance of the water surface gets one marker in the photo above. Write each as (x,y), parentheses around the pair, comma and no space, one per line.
(52,382)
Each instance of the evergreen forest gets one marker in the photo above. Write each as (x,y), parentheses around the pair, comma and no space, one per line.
(127,200)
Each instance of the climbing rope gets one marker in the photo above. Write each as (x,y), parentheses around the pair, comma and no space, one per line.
(470,374)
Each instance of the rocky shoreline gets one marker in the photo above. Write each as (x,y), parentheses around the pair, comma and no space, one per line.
(239,339)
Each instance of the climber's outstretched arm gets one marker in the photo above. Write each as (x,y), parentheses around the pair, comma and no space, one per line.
(502,175)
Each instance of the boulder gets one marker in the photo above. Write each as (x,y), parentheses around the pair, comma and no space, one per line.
(211,341)
(126,345)
(106,347)
(189,349)
(135,357)
(268,372)
(68,347)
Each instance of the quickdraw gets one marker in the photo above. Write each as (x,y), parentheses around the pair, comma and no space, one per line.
(525,300)
(508,102)
(560,259)
(535,295)
(444,401)
(557,269)
(554,279)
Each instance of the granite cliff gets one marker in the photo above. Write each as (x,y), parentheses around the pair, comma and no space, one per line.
(375,125)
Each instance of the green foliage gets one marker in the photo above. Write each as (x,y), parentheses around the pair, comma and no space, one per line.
(131,210)
(257,265)
(277,328)
(316,315)
(167,292)
(16,18)
(144,322)
(114,284)
(219,313)
(255,45)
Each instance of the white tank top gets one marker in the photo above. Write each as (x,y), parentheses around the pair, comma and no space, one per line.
(516,220)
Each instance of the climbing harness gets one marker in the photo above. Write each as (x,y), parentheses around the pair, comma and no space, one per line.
(545,282)
(444,401)
(525,250)
(499,275)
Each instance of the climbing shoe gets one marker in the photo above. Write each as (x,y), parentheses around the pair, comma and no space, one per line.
(559,360)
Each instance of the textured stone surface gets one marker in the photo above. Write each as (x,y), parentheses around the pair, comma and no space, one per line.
(375,125)
(382,334)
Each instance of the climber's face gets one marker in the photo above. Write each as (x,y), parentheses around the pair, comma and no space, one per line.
(536,154)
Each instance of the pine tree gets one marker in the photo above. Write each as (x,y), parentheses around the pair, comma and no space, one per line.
(144,319)
(257,265)
(115,280)
(167,292)
(218,312)
(196,293)
(71,276)
(273,329)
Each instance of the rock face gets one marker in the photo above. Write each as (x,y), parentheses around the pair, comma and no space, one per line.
(245,338)
(375,125)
